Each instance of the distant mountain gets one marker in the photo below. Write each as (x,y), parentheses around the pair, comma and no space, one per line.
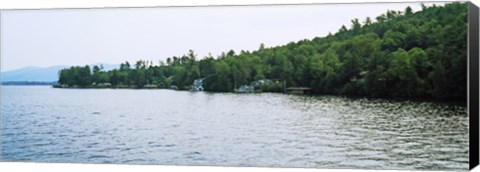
(39,74)
(32,74)
(28,83)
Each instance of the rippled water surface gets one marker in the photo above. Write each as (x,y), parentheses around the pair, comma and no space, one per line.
(44,124)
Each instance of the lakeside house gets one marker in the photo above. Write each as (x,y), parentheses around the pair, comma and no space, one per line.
(245,89)
(198,85)
(254,86)
(257,84)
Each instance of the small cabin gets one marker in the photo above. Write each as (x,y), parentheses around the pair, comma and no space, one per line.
(198,85)
(245,89)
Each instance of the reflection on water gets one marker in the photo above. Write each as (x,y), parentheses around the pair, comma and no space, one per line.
(196,128)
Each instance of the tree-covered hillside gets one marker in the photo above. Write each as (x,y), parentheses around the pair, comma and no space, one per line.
(398,54)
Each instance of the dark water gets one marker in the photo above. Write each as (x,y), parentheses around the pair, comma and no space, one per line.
(196,128)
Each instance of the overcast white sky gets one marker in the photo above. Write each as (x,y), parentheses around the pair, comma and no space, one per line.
(85,36)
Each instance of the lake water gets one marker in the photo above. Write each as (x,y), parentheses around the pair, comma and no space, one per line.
(44,124)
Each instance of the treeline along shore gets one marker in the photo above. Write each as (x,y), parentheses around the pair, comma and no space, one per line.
(399,54)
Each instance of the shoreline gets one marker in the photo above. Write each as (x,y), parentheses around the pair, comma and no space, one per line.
(456,102)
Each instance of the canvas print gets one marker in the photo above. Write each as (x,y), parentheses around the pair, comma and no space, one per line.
(369,86)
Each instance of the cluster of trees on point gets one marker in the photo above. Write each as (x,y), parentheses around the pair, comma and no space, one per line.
(402,54)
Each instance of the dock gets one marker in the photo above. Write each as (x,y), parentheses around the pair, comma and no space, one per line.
(299,90)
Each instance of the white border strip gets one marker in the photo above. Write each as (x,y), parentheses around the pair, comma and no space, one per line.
(61,167)
(49,4)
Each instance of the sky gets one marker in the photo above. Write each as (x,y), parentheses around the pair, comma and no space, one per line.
(69,37)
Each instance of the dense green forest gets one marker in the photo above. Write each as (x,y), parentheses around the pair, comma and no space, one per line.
(398,54)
